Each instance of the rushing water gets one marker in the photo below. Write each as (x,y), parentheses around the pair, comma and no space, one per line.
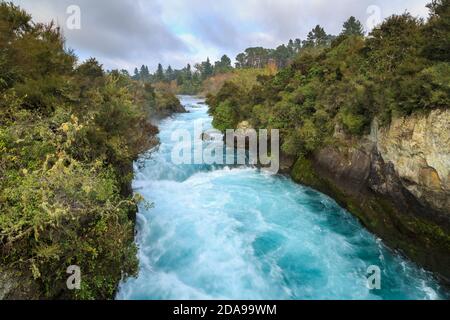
(239,233)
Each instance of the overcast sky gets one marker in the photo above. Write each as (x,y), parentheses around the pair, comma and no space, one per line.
(127,33)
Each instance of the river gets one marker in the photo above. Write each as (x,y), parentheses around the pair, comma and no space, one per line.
(216,232)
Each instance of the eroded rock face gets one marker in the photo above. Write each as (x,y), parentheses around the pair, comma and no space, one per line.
(419,149)
(396,181)
(16,287)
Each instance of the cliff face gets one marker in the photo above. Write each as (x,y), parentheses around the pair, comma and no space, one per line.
(419,149)
(396,181)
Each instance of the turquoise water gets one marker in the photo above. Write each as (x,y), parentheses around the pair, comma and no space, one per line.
(238,233)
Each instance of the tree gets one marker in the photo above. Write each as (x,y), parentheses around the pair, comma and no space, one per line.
(257,57)
(207,69)
(188,72)
(144,75)
(226,61)
(240,58)
(14,22)
(291,47)
(282,55)
(437,31)
(396,40)
(225,116)
(125,73)
(89,74)
(35,56)
(91,69)
(222,66)
(352,27)
(320,36)
(160,73)
(136,75)
(180,78)
(317,37)
(297,45)
(169,74)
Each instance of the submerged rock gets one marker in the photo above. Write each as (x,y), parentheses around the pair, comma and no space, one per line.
(206,137)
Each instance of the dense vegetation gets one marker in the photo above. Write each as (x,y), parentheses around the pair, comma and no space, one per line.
(68,135)
(400,68)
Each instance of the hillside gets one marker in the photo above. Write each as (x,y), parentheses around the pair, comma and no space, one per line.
(331,102)
(69,133)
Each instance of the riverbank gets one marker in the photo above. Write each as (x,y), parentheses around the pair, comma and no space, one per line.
(68,138)
(218,232)
(396,198)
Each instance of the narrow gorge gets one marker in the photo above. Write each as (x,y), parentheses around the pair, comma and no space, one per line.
(220,232)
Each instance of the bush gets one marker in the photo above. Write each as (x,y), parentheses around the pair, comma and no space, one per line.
(68,137)
(394,72)
(225,117)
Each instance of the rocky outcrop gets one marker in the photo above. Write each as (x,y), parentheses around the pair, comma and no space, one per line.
(166,105)
(14,286)
(419,149)
(396,181)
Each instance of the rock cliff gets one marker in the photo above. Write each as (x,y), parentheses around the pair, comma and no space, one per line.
(419,149)
(396,181)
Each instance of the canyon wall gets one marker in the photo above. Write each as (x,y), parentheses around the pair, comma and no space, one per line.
(396,181)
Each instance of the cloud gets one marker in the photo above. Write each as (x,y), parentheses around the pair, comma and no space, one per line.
(120,33)
(128,33)
(234,25)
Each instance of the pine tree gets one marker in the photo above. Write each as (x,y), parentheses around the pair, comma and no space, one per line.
(207,69)
(291,47)
(352,27)
(241,60)
(437,31)
(317,37)
(169,74)
(225,61)
(189,72)
(160,73)
(298,45)
(136,74)
(144,75)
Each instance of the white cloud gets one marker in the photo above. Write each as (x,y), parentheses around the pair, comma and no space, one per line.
(128,33)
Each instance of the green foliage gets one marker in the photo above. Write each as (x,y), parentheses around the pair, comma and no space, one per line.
(68,137)
(225,116)
(353,123)
(346,82)
(160,76)
(259,57)
(352,27)
(304,172)
(223,66)
(167,104)
(317,37)
(437,46)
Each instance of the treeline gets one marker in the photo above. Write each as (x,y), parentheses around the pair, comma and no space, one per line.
(69,133)
(341,86)
(189,80)
(283,55)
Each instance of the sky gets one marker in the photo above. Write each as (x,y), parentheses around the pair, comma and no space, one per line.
(123,34)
